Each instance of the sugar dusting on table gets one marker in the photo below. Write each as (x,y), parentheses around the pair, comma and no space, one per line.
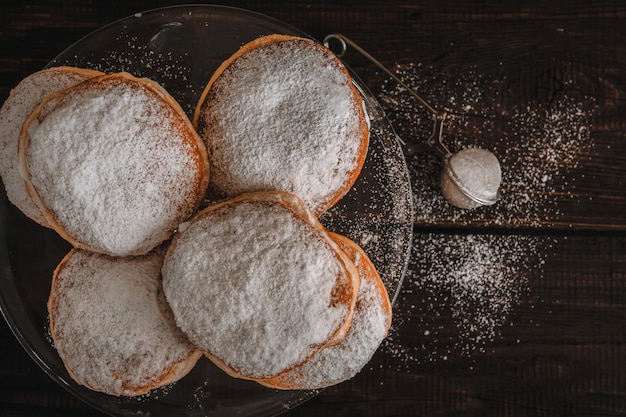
(551,137)
(458,294)
(461,289)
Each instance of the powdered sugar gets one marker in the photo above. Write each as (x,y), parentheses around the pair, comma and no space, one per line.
(476,171)
(539,145)
(162,58)
(111,323)
(283,117)
(340,362)
(251,284)
(468,287)
(22,101)
(471,178)
(115,165)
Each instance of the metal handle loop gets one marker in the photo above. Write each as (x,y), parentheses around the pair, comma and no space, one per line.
(435,140)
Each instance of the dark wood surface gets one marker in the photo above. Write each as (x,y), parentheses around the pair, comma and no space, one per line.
(541,329)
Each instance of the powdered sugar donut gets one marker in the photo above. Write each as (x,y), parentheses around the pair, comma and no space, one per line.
(256,283)
(113,163)
(112,326)
(371,321)
(21,102)
(283,114)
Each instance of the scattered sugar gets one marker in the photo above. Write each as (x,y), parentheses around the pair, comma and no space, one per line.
(22,101)
(159,58)
(376,213)
(283,118)
(112,326)
(115,167)
(467,287)
(470,285)
(539,145)
(248,280)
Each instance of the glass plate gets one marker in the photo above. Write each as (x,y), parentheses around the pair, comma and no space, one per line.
(180,47)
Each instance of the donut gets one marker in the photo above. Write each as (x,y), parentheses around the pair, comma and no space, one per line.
(21,102)
(283,114)
(112,326)
(113,163)
(370,324)
(257,284)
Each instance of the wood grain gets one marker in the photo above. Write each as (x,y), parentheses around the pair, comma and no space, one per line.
(561,349)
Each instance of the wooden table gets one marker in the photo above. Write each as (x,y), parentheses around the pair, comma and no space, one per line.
(512,310)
